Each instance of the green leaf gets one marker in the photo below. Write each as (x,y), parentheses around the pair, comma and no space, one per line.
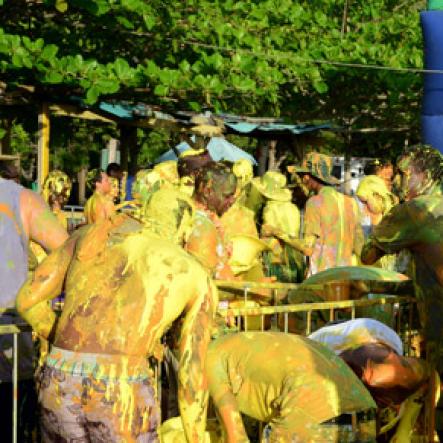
(107,86)
(320,86)
(125,22)
(161,90)
(53,77)
(49,52)
(92,95)
(2,132)
(61,5)
(149,21)
(195,106)
(184,66)
(21,58)
(151,69)
(122,68)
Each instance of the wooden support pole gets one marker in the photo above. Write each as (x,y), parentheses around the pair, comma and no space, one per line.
(272,150)
(263,157)
(43,145)
(128,142)
(81,177)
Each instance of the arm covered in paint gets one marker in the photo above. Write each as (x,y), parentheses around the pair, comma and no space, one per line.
(40,224)
(194,340)
(312,228)
(397,230)
(306,245)
(223,397)
(359,236)
(45,284)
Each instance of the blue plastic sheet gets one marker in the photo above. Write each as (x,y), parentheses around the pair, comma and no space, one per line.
(219,149)
(432,110)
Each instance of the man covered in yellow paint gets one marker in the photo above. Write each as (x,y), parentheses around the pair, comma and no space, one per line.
(215,187)
(332,232)
(124,287)
(280,223)
(99,206)
(300,388)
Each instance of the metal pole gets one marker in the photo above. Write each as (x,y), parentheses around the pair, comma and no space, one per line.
(15,388)
(43,145)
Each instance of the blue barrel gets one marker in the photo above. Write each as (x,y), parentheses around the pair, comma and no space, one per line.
(432,109)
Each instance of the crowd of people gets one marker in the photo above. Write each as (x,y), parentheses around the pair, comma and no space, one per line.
(138,283)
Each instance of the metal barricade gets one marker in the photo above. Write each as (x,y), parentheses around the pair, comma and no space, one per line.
(75,216)
(267,315)
(402,306)
(14,330)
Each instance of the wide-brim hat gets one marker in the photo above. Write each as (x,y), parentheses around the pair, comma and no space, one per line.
(207,130)
(273,186)
(168,171)
(319,166)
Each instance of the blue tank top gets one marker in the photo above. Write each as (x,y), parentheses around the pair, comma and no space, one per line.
(13,244)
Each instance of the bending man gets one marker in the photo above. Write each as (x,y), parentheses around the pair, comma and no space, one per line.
(300,388)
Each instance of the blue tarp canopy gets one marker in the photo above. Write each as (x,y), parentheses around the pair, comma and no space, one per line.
(219,149)
(249,128)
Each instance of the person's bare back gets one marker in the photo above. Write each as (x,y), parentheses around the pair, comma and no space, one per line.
(124,287)
(124,298)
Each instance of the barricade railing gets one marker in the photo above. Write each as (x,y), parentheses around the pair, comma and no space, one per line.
(74,215)
(278,315)
(14,330)
(402,308)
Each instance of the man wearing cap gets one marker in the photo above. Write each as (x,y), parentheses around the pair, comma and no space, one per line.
(332,232)
(238,219)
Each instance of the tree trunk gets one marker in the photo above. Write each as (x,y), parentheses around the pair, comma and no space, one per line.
(347,165)
(81,176)
(272,164)
(5,142)
(262,157)
(128,144)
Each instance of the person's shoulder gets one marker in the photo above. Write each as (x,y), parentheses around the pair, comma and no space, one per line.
(424,204)
(426,201)
(31,199)
(315,200)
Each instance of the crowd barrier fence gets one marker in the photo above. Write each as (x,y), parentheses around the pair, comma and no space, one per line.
(275,317)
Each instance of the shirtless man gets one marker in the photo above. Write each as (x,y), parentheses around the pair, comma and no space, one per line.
(215,187)
(124,287)
(100,205)
(300,388)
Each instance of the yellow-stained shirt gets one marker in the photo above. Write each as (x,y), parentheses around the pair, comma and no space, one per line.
(334,220)
(282,379)
(238,219)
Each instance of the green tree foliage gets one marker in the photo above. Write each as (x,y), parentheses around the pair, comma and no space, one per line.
(261,57)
